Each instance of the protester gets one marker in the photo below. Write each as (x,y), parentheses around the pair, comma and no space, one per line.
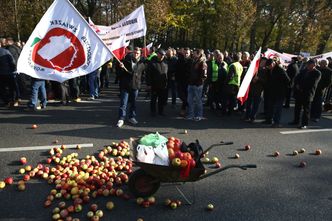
(233,83)
(130,76)
(157,80)
(323,85)
(277,84)
(255,92)
(305,85)
(183,68)
(292,71)
(7,83)
(215,71)
(195,86)
(171,61)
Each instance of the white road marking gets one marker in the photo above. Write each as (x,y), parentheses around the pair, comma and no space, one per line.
(305,131)
(68,146)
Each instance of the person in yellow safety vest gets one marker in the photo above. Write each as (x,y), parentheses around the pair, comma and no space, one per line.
(232,86)
(216,72)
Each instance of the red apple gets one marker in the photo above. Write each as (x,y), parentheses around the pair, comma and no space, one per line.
(23,160)
(247,147)
(94,207)
(146,204)
(34,126)
(9,180)
(276,154)
(318,152)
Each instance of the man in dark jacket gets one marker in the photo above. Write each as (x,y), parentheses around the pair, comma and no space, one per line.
(171,61)
(130,74)
(255,92)
(292,71)
(323,85)
(277,85)
(157,80)
(7,83)
(183,68)
(305,85)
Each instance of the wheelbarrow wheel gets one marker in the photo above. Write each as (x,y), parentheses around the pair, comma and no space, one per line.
(142,184)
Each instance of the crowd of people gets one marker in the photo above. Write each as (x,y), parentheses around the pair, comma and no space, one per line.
(194,76)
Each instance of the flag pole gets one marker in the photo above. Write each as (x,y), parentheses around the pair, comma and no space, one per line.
(144,45)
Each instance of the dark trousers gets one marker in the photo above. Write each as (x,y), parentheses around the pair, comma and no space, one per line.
(288,97)
(230,100)
(74,88)
(183,94)
(213,94)
(316,107)
(64,91)
(252,106)
(7,88)
(158,96)
(172,87)
(274,109)
(299,105)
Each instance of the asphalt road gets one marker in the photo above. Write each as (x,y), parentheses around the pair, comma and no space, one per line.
(277,190)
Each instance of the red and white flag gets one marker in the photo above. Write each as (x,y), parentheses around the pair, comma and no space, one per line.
(62,46)
(118,47)
(146,50)
(243,93)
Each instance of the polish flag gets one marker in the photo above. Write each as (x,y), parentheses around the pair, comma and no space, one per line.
(118,47)
(243,93)
(146,50)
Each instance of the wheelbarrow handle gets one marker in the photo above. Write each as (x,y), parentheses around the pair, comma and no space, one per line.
(215,145)
(243,167)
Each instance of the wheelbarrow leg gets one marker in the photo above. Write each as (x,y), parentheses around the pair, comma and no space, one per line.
(188,202)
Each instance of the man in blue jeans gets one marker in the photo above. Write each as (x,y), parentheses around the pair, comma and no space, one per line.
(130,76)
(38,85)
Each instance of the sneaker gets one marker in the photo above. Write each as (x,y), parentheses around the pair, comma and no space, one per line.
(133,120)
(198,118)
(77,100)
(120,123)
(91,98)
(303,127)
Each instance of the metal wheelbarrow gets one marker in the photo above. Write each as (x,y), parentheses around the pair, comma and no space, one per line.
(146,181)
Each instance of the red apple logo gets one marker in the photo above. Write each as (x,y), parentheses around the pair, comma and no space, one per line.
(60,50)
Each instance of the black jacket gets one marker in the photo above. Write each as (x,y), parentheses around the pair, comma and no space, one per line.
(132,77)
(325,81)
(7,63)
(15,51)
(305,84)
(278,82)
(156,74)
(292,71)
(183,68)
(171,62)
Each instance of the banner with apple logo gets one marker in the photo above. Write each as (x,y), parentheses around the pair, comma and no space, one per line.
(62,46)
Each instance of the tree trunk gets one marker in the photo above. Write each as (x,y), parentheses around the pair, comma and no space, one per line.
(252,46)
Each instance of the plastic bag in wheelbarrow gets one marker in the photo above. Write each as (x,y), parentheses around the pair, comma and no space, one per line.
(153,140)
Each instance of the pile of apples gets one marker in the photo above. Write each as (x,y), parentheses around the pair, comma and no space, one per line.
(178,158)
(80,180)
(173,204)
(145,203)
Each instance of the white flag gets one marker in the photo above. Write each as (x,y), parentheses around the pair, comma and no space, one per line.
(285,59)
(62,46)
(132,26)
(252,70)
(321,56)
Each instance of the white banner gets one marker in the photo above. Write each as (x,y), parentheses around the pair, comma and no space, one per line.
(285,59)
(322,56)
(132,26)
(62,46)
